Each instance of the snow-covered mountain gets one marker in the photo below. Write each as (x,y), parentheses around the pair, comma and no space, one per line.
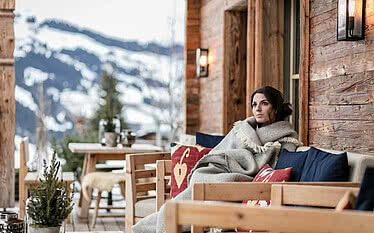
(68,60)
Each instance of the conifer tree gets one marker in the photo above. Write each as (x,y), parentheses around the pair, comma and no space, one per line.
(49,203)
(109,104)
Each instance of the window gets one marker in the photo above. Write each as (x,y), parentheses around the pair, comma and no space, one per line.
(292,57)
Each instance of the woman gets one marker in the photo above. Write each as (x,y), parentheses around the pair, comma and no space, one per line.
(251,144)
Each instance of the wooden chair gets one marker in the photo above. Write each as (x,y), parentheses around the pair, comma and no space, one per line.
(234,215)
(141,185)
(31,178)
(163,176)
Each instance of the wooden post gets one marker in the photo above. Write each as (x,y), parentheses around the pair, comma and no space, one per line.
(7,103)
(304,73)
(192,83)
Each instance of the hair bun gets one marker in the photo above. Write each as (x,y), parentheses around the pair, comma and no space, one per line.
(285,111)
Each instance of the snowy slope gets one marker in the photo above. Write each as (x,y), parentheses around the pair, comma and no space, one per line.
(68,61)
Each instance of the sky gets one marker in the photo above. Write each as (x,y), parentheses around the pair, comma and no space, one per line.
(141,20)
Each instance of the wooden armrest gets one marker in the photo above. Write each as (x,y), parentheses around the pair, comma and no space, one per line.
(274,219)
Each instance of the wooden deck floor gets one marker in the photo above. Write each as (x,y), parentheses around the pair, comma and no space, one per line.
(102,223)
(106,223)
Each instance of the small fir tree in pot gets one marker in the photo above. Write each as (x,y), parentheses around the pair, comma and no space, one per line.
(49,204)
(109,105)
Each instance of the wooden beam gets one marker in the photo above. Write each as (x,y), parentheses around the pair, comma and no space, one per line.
(251,29)
(192,87)
(304,72)
(7,104)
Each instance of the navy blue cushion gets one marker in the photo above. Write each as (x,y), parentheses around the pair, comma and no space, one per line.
(295,160)
(315,165)
(325,166)
(365,200)
(208,140)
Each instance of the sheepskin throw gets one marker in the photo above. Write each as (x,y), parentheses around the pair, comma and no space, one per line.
(103,181)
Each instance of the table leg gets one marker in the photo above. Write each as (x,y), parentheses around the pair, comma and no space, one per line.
(84,172)
(22,198)
(68,195)
(91,167)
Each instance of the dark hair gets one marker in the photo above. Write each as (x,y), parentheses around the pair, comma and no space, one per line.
(275,98)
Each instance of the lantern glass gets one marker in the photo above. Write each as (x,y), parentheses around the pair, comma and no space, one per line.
(351,20)
(202,62)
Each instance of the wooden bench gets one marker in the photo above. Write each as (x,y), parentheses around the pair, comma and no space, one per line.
(32,178)
(240,191)
(276,218)
(273,219)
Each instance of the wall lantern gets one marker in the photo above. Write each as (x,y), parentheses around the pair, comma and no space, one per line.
(202,62)
(351,20)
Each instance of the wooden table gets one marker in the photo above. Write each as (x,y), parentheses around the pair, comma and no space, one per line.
(96,152)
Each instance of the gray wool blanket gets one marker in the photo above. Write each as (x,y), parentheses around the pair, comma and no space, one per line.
(239,156)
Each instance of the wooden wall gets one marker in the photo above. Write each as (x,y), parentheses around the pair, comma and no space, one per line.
(7,104)
(245,52)
(211,88)
(341,98)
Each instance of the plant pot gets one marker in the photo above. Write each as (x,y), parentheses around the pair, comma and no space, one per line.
(111,139)
(43,229)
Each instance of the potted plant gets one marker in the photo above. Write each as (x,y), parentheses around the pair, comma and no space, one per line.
(49,205)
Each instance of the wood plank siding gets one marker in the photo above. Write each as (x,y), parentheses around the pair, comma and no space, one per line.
(240,60)
(7,103)
(341,97)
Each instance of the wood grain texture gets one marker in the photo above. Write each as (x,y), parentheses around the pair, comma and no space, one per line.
(7,4)
(304,72)
(283,219)
(235,62)
(341,91)
(192,42)
(269,51)
(7,134)
(6,35)
(251,61)
(344,135)
(7,104)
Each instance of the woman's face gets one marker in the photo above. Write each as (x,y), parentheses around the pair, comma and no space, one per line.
(262,109)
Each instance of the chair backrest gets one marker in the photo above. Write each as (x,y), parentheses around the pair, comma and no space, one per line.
(140,181)
(163,176)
